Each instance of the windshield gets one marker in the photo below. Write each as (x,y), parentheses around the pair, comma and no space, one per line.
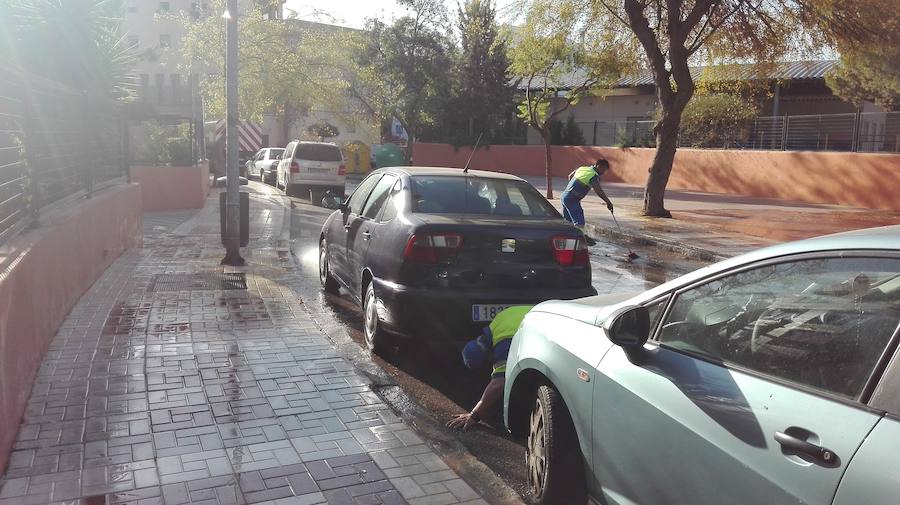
(318,152)
(476,195)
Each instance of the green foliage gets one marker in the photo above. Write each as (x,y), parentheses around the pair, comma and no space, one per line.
(484,92)
(868,74)
(566,133)
(562,60)
(870,69)
(674,33)
(76,42)
(164,144)
(719,120)
(284,65)
(632,136)
(404,69)
(556,132)
(154,145)
(323,130)
(715,120)
(572,134)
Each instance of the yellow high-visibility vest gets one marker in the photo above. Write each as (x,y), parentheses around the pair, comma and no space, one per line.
(585,174)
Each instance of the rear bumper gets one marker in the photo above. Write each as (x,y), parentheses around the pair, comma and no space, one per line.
(301,180)
(446,314)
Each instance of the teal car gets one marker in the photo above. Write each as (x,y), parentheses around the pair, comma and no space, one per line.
(770,378)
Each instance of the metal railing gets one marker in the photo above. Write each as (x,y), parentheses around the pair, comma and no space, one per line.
(860,132)
(55,142)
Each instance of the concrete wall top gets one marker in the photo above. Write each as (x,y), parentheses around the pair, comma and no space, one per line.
(863,180)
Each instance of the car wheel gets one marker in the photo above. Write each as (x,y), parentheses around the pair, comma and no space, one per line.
(555,470)
(329,283)
(376,339)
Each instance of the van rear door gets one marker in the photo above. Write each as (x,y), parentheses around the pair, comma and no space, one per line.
(319,162)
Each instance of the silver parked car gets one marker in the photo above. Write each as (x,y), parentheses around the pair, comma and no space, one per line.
(769,378)
(311,166)
(261,162)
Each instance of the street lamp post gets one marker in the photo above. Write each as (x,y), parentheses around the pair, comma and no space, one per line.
(232,173)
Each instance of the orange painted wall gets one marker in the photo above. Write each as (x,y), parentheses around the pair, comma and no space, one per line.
(856,179)
(172,188)
(43,273)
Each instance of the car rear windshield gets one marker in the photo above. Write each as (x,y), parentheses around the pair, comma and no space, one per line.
(274,153)
(318,152)
(477,195)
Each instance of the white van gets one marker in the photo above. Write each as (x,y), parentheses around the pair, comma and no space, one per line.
(315,167)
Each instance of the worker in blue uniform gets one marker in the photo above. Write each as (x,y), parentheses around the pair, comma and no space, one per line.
(492,346)
(581,181)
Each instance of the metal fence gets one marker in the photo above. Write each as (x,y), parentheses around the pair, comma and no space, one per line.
(861,132)
(55,142)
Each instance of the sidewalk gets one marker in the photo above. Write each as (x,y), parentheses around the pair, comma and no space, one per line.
(175,381)
(711,226)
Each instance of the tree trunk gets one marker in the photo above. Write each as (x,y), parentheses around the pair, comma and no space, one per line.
(666,145)
(286,122)
(409,148)
(548,163)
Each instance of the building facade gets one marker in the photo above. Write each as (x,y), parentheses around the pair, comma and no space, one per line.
(796,89)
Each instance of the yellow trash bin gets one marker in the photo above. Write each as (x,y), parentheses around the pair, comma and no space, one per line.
(357,157)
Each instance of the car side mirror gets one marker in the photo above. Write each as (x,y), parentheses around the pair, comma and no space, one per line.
(343,208)
(628,327)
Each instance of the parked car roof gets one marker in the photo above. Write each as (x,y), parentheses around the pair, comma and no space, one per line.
(881,238)
(884,237)
(314,142)
(453,172)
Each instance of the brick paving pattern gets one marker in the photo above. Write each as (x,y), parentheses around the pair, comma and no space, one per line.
(199,396)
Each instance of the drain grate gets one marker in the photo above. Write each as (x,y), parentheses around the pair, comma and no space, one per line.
(211,281)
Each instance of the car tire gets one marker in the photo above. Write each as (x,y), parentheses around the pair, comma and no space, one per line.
(554,467)
(377,340)
(329,283)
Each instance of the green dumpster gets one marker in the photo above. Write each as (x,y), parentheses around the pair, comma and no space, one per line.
(388,155)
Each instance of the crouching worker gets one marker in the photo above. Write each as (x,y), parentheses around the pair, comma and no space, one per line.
(492,346)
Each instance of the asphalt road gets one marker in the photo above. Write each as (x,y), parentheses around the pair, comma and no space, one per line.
(427,385)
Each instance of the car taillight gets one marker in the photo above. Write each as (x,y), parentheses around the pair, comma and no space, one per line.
(432,247)
(570,251)
(295,167)
(342,170)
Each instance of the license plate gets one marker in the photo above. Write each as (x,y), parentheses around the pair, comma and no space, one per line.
(482,312)
(319,170)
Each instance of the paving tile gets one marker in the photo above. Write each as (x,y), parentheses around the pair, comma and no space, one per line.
(203,397)
(250,457)
(193,466)
(222,490)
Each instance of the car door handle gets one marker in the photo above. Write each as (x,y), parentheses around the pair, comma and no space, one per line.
(367,235)
(347,226)
(818,452)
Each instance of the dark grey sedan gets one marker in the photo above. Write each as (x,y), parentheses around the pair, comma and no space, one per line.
(439,252)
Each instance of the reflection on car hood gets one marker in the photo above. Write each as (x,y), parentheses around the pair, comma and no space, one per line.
(587,310)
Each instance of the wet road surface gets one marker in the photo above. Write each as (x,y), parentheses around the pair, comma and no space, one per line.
(423,382)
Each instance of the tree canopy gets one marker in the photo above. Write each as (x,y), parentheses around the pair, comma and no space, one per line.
(284,65)
(484,91)
(674,34)
(869,69)
(403,70)
(561,59)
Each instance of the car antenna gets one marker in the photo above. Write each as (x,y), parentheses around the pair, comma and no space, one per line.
(466,168)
